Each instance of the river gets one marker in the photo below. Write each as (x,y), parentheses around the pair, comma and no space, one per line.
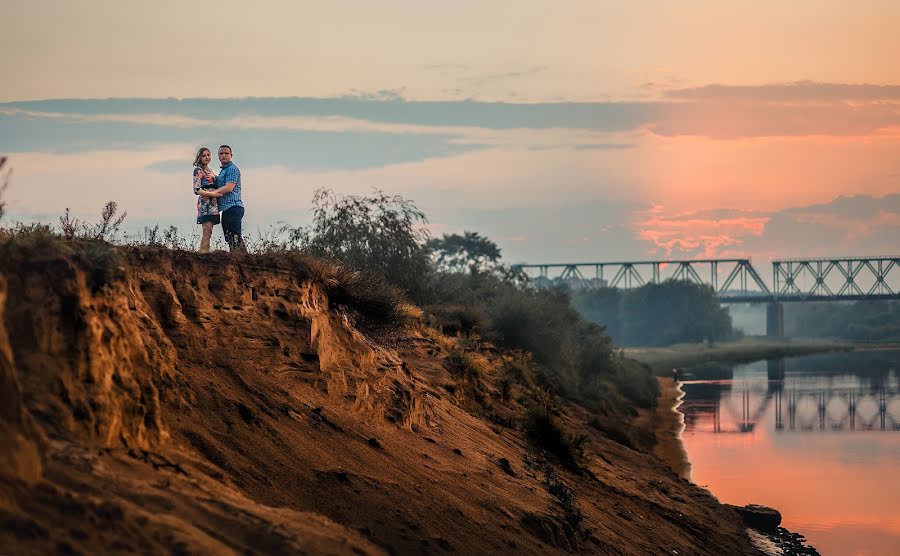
(816,437)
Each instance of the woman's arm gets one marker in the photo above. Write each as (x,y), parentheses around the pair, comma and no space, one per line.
(225,189)
(198,180)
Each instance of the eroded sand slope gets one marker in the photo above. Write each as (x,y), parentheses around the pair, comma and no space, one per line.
(208,405)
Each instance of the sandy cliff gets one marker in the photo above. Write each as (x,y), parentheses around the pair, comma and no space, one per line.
(201,404)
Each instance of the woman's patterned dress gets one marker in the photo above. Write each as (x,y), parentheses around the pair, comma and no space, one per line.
(207,207)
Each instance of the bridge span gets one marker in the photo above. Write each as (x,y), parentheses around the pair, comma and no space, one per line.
(737,281)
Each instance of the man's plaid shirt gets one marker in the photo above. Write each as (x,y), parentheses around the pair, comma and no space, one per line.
(230,173)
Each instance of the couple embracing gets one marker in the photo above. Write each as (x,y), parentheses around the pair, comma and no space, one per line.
(219,198)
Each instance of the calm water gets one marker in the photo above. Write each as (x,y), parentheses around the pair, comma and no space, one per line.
(816,437)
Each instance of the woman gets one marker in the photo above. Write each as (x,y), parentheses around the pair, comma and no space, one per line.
(207,203)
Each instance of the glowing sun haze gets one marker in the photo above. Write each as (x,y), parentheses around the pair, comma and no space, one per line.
(575,131)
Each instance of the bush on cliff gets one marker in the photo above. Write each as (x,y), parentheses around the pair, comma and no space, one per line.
(377,234)
(573,356)
(546,432)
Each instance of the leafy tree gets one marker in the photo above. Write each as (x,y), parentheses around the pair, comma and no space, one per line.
(459,253)
(657,314)
(602,306)
(380,234)
(864,321)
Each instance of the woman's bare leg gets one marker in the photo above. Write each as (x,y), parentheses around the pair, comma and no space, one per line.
(207,235)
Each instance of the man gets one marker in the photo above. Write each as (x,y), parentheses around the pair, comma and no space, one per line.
(231,207)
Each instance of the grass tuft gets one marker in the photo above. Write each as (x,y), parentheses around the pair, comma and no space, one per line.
(548,434)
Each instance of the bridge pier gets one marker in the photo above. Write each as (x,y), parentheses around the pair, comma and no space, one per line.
(775,320)
(775,371)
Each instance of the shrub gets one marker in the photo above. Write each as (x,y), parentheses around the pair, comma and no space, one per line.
(375,302)
(532,321)
(548,434)
(379,234)
(518,368)
(28,243)
(105,263)
(463,366)
(150,236)
(571,355)
(614,430)
(105,230)
(567,499)
(636,382)
(453,319)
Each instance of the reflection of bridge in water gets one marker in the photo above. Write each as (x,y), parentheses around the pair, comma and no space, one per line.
(798,407)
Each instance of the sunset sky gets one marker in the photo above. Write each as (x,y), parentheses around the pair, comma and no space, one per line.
(575,131)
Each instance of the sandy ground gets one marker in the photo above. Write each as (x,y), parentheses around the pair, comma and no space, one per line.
(201,406)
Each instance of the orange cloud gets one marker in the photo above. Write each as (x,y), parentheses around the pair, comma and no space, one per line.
(696,234)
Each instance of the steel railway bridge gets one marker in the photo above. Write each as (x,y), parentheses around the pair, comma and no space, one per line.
(737,281)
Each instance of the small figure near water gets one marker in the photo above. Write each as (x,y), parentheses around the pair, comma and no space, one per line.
(675,374)
(207,196)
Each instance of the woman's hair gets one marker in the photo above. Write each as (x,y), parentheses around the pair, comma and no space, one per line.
(199,154)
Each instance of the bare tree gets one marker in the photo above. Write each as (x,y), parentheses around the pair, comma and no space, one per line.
(70,226)
(106,229)
(4,183)
(109,225)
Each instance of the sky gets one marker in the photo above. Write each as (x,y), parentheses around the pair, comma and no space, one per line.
(574,131)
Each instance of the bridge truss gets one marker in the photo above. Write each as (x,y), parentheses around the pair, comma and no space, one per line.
(729,278)
(827,279)
(736,280)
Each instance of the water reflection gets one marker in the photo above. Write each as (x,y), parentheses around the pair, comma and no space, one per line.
(798,407)
(814,437)
(800,401)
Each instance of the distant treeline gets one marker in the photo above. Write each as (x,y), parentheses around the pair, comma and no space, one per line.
(657,314)
(861,321)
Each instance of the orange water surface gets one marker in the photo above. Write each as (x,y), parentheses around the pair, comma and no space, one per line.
(819,440)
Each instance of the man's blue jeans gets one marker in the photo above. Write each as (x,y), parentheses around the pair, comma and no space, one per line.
(231,227)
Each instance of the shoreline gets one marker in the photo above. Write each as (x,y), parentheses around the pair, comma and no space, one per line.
(670,450)
(663,359)
(669,424)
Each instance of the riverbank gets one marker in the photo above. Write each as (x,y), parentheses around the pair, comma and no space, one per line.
(194,403)
(669,424)
(670,450)
(663,359)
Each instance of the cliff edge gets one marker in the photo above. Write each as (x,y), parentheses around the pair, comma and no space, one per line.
(169,402)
